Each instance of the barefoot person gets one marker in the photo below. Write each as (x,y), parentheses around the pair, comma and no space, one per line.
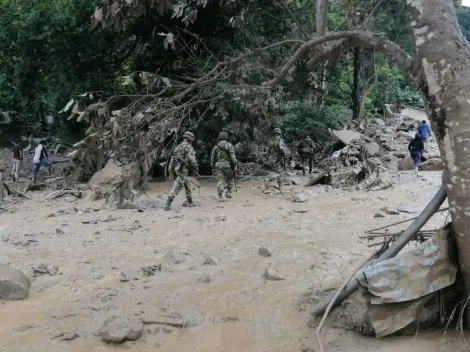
(18,154)
(182,161)
(224,165)
(41,158)
(416,148)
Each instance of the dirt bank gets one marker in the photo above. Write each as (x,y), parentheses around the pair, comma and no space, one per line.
(314,244)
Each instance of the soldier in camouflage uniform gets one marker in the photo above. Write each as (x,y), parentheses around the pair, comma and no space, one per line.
(306,150)
(277,153)
(224,164)
(183,159)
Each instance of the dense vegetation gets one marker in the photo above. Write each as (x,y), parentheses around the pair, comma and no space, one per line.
(166,59)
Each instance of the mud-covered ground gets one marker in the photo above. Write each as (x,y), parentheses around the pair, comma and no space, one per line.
(206,268)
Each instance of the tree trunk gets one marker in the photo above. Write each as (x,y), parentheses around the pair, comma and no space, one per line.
(321,17)
(359,83)
(442,72)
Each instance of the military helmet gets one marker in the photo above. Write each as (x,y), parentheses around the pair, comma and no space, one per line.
(189,135)
(222,136)
(277,131)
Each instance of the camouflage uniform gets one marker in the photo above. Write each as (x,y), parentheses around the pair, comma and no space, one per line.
(306,151)
(183,159)
(277,152)
(224,161)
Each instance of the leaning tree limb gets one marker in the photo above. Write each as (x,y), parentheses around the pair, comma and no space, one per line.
(378,42)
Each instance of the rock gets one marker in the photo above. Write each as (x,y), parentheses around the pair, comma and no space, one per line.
(400,154)
(379,215)
(14,285)
(371,149)
(299,198)
(405,164)
(388,130)
(167,330)
(52,270)
(265,252)
(409,136)
(210,261)
(432,165)
(44,269)
(300,211)
(59,232)
(118,329)
(272,274)
(390,211)
(204,279)
(128,275)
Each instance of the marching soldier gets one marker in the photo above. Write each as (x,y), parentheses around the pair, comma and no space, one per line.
(277,153)
(182,161)
(306,151)
(224,164)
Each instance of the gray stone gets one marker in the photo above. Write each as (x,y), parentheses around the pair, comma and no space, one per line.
(14,285)
(265,252)
(409,136)
(405,164)
(272,274)
(379,215)
(371,149)
(118,329)
(299,198)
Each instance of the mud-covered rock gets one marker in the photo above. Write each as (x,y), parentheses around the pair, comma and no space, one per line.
(14,285)
(119,329)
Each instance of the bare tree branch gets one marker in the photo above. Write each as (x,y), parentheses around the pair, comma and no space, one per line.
(378,42)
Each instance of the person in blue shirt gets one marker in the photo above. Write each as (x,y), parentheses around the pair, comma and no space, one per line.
(424,132)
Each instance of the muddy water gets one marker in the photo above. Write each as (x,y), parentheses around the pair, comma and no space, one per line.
(238,310)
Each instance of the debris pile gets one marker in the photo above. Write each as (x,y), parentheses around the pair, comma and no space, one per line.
(363,156)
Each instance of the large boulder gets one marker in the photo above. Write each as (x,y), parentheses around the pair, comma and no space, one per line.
(434,164)
(371,149)
(405,164)
(14,285)
(409,136)
(118,329)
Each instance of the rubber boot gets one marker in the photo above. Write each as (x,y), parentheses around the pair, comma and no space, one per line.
(188,202)
(416,171)
(221,197)
(228,194)
(168,203)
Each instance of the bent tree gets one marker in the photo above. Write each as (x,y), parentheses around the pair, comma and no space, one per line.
(440,68)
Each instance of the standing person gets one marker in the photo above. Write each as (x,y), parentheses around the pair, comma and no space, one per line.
(306,150)
(182,161)
(424,132)
(18,154)
(416,148)
(277,153)
(41,158)
(224,165)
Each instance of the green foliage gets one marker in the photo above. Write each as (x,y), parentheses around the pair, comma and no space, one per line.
(303,118)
